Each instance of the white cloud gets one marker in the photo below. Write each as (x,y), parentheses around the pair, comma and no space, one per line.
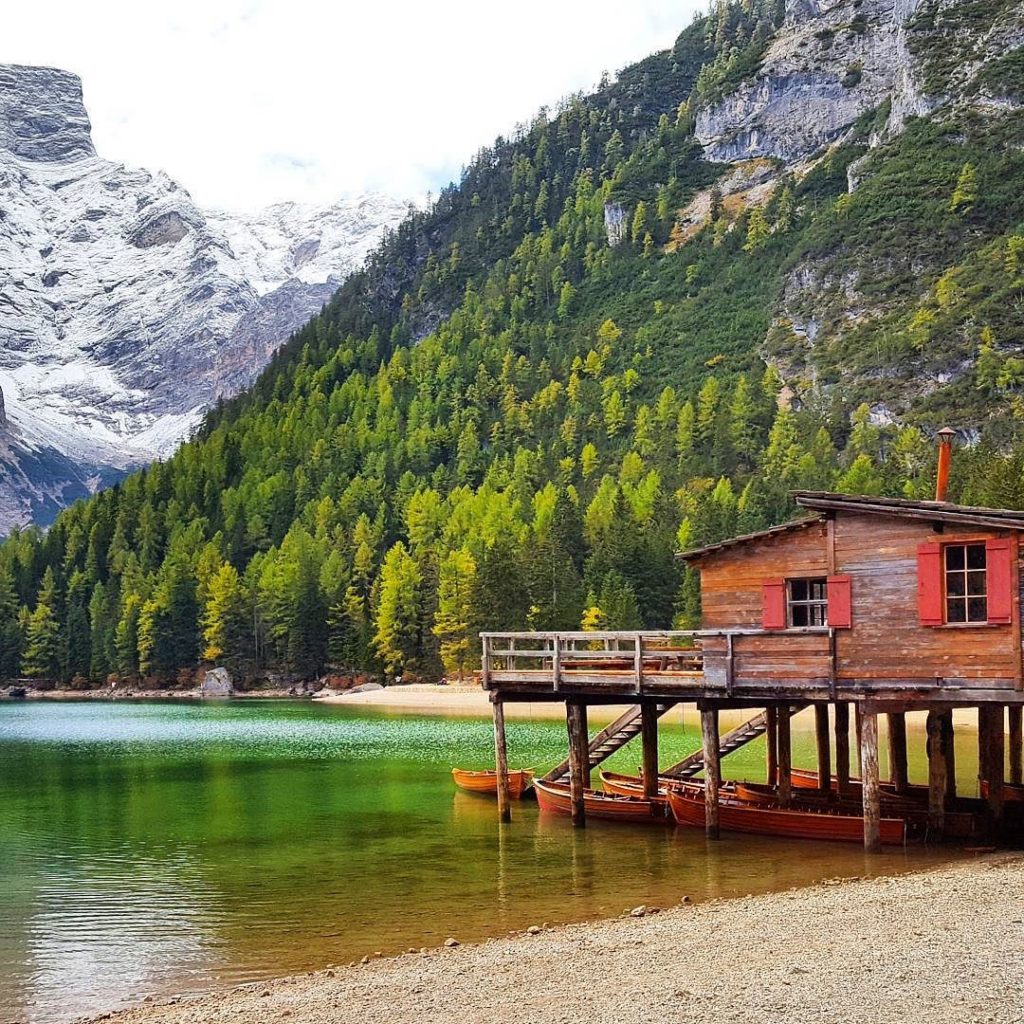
(250,101)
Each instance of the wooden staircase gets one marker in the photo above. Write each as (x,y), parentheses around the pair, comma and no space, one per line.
(693,764)
(610,739)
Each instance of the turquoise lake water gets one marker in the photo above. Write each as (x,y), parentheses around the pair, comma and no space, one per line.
(162,848)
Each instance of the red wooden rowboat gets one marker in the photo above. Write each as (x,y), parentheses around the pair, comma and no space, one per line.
(487,781)
(1013,792)
(631,785)
(554,796)
(803,778)
(687,805)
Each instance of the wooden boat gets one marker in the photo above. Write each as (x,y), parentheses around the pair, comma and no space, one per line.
(687,805)
(631,785)
(487,781)
(1013,792)
(554,797)
(803,778)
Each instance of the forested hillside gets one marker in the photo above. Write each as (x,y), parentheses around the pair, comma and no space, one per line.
(598,347)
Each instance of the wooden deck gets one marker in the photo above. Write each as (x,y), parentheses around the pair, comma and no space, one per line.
(741,665)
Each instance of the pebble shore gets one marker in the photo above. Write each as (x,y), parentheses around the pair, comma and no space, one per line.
(945,944)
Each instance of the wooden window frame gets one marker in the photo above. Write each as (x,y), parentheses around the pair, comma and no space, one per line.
(807,603)
(946,546)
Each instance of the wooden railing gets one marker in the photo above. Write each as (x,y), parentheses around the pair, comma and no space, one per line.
(624,661)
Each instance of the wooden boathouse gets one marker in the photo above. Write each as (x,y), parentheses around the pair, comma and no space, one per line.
(879,605)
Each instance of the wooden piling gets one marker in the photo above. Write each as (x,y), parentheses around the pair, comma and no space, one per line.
(823,747)
(501,762)
(937,768)
(649,740)
(869,780)
(897,722)
(579,759)
(843,748)
(771,735)
(785,757)
(949,752)
(860,744)
(1014,719)
(712,769)
(992,754)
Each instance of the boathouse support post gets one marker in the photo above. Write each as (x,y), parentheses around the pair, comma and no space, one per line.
(936,776)
(991,755)
(579,758)
(501,762)
(712,769)
(823,747)
(949,753)
(1014,720)
(771,735)
(858,725)
(897,723)
(785,756)
(843,748)
(649,740)
(869,780)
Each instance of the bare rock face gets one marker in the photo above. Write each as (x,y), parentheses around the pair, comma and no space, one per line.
(126,310)
(42,116)
(833,61)
(615,223)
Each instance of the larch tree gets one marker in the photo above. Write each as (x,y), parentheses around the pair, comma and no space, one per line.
(397,622)
(453,620)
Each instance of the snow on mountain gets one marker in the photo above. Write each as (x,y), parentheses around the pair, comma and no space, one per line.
(126,310)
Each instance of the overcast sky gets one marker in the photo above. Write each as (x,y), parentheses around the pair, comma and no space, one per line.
(249,101)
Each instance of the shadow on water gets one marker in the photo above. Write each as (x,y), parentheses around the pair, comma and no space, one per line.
(164,848)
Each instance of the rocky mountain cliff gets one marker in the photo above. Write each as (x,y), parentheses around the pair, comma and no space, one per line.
(126,310)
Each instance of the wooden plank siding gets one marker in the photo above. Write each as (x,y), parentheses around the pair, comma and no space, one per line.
(886,641)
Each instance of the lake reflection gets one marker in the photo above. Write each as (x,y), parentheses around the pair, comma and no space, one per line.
(158,848)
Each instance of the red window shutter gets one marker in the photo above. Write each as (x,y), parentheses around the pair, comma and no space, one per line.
(999,563)
(840,603)
(929,585)
(773,595)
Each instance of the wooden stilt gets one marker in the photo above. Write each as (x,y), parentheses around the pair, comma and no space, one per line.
(785,757)
(824,748)
(771,735)
(1013,713)
(949,753)
(860,745)
(897,722)
(501,762)
(576,721)
(843,748)
(992,739)
(869,780)
(712,769)
(936,776)
(649,739)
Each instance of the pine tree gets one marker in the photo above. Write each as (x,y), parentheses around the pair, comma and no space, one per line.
(10,630)
(454,616)
(41,657)
(126,636)
(965,195)
(396,638)
(758,231)
(226,619)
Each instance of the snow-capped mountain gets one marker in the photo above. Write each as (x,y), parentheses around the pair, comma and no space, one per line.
(126,310)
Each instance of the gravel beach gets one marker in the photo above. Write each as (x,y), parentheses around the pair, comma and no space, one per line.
(946,944)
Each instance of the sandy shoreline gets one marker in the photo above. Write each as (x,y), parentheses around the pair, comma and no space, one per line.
(944,944)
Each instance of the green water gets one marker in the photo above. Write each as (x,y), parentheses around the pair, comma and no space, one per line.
(159,848)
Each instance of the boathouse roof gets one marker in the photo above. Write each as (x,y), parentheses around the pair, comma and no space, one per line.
(822,503)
